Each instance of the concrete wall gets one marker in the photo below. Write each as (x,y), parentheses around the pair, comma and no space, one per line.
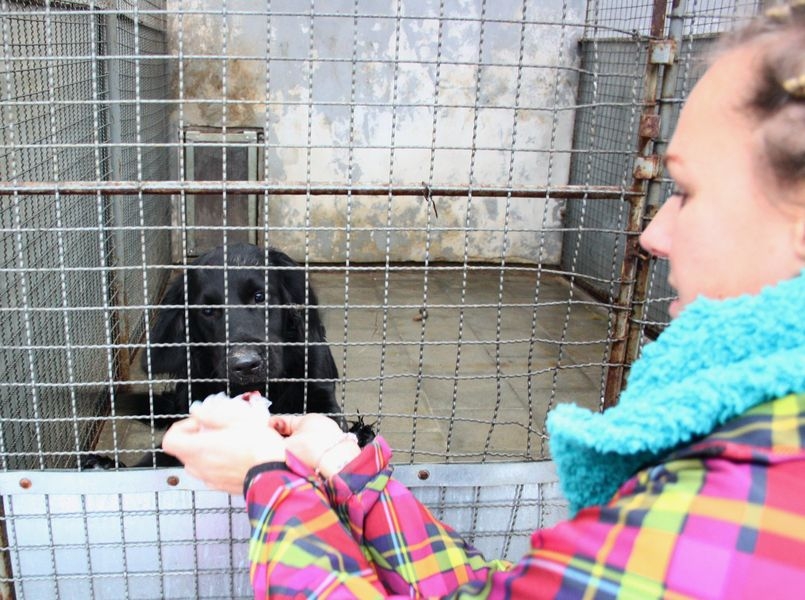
(390,135)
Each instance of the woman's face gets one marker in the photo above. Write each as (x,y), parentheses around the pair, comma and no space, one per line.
(723,232)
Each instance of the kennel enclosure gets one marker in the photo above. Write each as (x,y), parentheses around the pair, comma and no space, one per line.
(463,181)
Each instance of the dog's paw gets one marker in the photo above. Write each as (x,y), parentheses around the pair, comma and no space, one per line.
(97,462)
(363,431)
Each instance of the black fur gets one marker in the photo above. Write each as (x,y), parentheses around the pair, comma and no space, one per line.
(253,337)
(364,432)
(244,347)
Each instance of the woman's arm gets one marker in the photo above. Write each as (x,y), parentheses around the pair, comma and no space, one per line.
(364,535)
(683,528)
(298,546)
(381,542)
(411,550)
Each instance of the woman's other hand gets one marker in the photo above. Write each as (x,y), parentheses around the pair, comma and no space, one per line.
(317,441)
(221,440)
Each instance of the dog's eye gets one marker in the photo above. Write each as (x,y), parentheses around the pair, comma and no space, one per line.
(259,296)
(208,311)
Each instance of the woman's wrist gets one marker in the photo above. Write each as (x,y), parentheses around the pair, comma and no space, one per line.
(337,456)
(263,452)
(259,469)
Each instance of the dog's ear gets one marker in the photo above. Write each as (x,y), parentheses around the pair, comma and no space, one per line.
(321,363)
(169,329)
(291,291)
(291,279)
(297,291)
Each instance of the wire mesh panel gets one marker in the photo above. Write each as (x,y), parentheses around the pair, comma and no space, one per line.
(610,100)
(180,541)
(53,291)
(72,265)
(400,143)
(138,83)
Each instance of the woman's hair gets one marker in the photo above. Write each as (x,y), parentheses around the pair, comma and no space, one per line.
(778,101)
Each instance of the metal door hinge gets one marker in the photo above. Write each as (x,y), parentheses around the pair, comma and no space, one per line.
(662,52)
(647,167)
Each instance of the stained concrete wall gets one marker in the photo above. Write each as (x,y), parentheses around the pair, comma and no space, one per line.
(350,102)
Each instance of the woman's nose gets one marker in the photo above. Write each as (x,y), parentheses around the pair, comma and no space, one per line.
(656,238)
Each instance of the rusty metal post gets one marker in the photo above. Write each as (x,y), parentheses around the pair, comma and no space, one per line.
(654,192)
(660,75)
(7,589)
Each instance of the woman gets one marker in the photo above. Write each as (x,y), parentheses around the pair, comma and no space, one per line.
(693,486)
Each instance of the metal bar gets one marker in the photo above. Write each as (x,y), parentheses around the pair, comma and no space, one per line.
(57,482)
(81,188)
(654,189)
(68,8)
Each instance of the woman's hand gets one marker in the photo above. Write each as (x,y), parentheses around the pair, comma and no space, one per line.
(317,441)
(221,440)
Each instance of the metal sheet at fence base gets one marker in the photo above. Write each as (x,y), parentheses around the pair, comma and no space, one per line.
(161,534)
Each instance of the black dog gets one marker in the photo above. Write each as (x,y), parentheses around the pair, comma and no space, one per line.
(247,327)
(240,327)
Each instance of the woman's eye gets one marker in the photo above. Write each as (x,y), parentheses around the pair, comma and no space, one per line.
(259,296)
(679,193)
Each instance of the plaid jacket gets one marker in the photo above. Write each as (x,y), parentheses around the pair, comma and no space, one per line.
(721,518)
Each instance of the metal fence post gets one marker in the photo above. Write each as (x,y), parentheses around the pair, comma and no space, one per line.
(655,126)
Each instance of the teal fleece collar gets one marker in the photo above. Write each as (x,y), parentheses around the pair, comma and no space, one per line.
(716,360)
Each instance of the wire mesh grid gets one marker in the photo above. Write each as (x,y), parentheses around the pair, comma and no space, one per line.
(451,178)
(31,116)
(607,120)
(178,540)
(403,147)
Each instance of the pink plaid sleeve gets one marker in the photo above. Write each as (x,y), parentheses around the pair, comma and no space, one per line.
(299,547)
(413,552)
(724,518)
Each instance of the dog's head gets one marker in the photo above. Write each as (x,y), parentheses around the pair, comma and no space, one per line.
(243,323)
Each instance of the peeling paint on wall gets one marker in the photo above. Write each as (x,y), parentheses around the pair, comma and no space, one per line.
(305,101)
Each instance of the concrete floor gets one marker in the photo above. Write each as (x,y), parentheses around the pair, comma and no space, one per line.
(472,380)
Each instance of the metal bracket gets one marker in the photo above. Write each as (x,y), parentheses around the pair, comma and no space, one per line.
(662,52)
(649,126)
(647,167)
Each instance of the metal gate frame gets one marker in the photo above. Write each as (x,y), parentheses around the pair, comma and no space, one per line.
(653,132)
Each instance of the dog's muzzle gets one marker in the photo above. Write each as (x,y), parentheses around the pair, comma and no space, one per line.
(246,364)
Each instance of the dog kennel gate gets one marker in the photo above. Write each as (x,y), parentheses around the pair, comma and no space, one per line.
(96,100)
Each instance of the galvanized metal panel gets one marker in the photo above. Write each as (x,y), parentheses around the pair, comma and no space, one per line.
(162,534)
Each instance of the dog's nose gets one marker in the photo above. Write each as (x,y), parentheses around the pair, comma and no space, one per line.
(245,363)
